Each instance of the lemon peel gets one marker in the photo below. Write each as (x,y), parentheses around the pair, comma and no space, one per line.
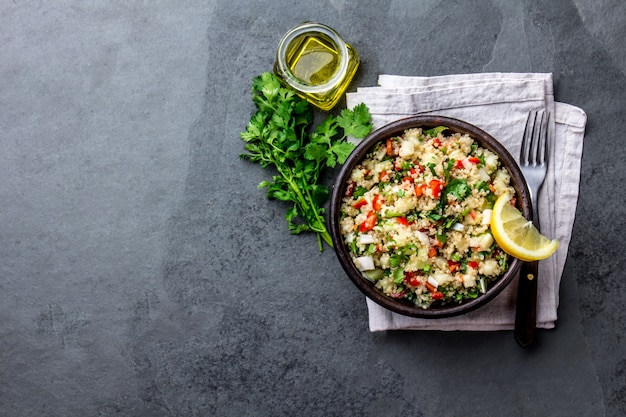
(516,235)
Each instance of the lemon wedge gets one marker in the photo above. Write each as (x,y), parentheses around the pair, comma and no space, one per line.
(517,236)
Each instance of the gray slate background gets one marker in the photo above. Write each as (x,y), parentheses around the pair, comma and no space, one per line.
(143,274)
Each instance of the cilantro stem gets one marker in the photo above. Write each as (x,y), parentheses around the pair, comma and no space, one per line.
(307,204)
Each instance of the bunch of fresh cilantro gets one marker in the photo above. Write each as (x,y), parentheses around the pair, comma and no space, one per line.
(279,135)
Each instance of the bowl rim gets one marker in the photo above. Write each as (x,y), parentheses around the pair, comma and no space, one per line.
(396,128)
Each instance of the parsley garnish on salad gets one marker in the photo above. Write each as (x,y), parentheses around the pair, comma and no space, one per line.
(278,135)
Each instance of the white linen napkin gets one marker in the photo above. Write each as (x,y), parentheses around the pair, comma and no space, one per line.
(498,103)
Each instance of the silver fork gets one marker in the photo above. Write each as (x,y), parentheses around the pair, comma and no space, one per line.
(534,165)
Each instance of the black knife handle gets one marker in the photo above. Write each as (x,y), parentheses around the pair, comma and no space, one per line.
(526,310)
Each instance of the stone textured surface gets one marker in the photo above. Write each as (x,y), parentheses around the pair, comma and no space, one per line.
(142,273)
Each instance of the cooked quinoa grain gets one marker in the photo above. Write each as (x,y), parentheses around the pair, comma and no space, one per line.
(416,214)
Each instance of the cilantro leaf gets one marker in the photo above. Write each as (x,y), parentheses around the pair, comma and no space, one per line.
(359,191)
(435,131)
(356,122)
(459,188)
(342,150)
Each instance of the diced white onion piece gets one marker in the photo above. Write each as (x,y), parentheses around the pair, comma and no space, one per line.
(364,263)
(432,281)
(487,241)
(469,281)
(481,242)
(486,216)
(366,238)
(489,267)
(466,163)
(441,277)
(381,153)
(422,237)
(491,160)
(458,227)
(406,149)
(483,175)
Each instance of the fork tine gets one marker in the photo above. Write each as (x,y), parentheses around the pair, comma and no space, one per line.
(527,138)
(546,141)
(537,140)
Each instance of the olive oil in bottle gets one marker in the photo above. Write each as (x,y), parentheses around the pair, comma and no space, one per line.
(314,61)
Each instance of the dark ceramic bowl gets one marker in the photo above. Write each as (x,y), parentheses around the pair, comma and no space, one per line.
(395,129)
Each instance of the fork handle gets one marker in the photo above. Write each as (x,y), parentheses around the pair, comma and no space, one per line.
(535,214)
(526,310)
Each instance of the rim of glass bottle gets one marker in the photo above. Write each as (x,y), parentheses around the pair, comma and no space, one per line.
(301,29)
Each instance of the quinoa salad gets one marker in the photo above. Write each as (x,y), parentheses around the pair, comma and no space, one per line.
(415,217)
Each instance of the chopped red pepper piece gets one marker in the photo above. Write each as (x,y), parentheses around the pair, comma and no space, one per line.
(369,223)
(389,146)
(377,202)
(437,295)
(453,266)
(411,278)
(403,221)
(432,252)
(360,203)
(436,186)
(473,264)
(473,159)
